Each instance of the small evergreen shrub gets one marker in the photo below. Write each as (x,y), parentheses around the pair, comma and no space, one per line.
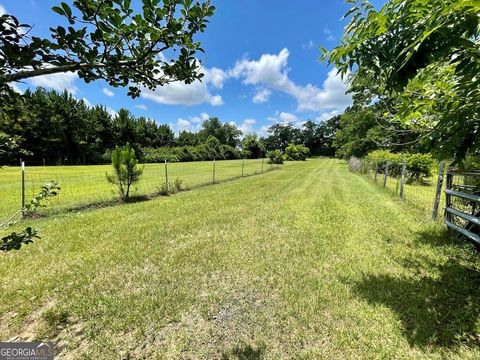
(125,170)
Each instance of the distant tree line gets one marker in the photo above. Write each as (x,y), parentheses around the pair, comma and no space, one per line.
(50,127)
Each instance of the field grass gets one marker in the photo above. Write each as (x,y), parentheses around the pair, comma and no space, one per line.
(306,262)
(85,185)
(417,195)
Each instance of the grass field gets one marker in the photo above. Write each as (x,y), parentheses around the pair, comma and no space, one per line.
(306,262)
(85,185)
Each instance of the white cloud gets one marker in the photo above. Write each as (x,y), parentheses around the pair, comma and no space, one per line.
(216,100)
(183,124)
(85,100)
(271,71)
(112,112)
(198,92)
(215,76)
(108,92)
(14,86)
(328,33)
(2,10)
(192,124)
(287,117)
(246,126)
(200,119)
(309,45)
(141,107)
(60,81)
(327,115)
(261,96)
(263,131)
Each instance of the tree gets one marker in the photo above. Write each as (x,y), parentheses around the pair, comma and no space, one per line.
(402,50)
(124,127)
(280,136)
(125,170)
(227,134)
(109,40)
(327,131)
(252,147)
(311,137)
(187,138)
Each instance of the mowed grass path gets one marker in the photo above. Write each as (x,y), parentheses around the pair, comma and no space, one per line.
(309,261)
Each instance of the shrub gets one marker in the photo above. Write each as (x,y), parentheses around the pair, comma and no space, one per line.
(418,166)
(126,170)
(275,157)
(296,152)
(355,164)
(172,188)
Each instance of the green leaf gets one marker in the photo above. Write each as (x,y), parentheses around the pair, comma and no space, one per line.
(67,9)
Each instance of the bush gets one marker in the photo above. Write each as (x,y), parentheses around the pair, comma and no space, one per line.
(126,170)
(418,166)
(212,149)
(296,152)
(275,157)
(355,164)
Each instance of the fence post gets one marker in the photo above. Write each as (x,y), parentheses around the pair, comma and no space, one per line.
(243,165)
(448,197)
(23,188)
(262,164)
(376,172)
(438,191)
(402,179)
(213,170)
(368,168)
(386,174)
(166,175)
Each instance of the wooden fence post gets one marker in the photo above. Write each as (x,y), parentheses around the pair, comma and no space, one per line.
(166,176)
(368,168)
(402,179)
(376,172)
(213,170)
(386,174)
(23,188)
(438,191)
(243,165)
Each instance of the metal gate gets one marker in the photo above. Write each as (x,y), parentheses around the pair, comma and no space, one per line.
(462,212)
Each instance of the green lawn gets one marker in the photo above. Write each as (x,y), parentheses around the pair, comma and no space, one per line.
(85,185)
(309,261)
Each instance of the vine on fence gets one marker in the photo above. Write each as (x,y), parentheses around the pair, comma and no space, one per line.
(14,240)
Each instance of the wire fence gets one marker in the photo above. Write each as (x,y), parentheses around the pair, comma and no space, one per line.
(84,186)
(417,190)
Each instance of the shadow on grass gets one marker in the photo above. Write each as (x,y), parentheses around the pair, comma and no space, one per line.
(441,308)
(245,352)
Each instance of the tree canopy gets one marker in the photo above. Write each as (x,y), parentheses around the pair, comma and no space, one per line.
(423,55)
(136,46)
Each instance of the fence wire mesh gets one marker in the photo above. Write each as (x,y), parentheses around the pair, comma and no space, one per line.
(417,190)
(83,186)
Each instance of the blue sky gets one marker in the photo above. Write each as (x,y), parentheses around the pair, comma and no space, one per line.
(261,64)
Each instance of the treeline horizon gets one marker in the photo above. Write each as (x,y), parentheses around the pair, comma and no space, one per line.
(55,128)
